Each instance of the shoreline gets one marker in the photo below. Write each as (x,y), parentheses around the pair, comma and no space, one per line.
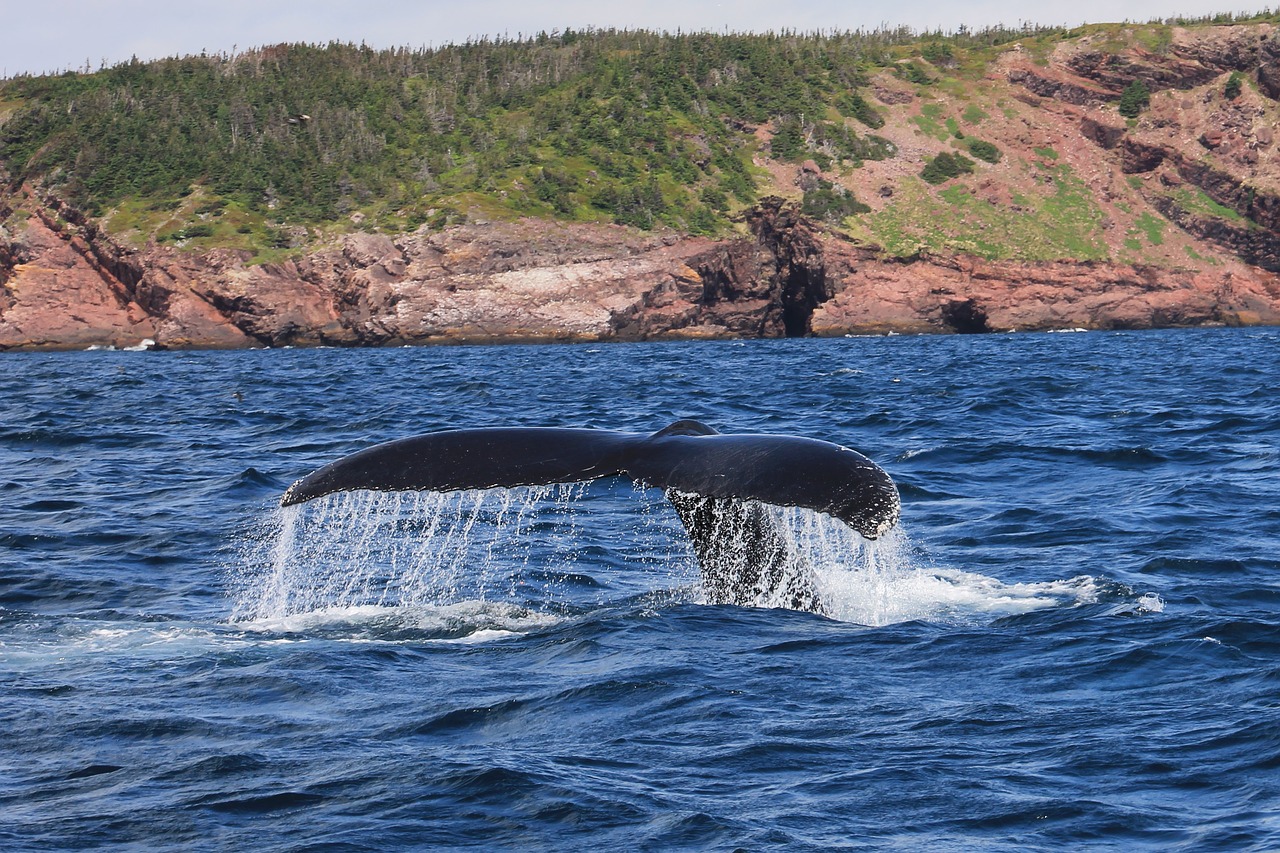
(145,346)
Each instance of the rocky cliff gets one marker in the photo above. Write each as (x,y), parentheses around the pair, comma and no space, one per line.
(65,285)
(1086,221)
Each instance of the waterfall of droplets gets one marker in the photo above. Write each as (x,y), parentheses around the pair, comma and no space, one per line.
(525,548)
(403,549)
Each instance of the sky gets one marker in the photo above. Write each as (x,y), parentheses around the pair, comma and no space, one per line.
(73,34)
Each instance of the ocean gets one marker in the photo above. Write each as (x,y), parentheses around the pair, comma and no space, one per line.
(1071,641)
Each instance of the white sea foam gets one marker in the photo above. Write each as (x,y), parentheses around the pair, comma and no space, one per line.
(1151,603)
(74,639)
(889,581)
(469,621)
(916,451)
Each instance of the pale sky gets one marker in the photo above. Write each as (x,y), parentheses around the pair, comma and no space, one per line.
(72,33)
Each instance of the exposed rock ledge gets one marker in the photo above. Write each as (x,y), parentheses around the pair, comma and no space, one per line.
(64,285)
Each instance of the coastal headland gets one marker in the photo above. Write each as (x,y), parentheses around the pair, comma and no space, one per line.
(1109,177)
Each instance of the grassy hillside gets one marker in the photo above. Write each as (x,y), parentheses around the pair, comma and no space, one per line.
(634,127)
(273,148)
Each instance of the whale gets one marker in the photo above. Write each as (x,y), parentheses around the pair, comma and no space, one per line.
(720,484)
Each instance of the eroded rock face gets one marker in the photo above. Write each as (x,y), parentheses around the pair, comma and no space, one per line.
(52,295)
(964,295)
(1169,71)
(1060,87)
(61,287)
(1081,74)
(1268,70)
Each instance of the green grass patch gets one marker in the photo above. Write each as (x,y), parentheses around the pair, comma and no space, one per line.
(930,127)
(956,194)
(1196,256)
(1156,38)
(973,114)
(1072,221)
(197,222)
(1046,153)
(1195,200)
(1058,222)
(930,121)
(9,106)
(1152,227)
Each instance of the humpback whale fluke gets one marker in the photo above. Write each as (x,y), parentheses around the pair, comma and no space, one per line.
(715,481)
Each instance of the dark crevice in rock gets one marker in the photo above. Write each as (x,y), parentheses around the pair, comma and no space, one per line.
(765,287)
(804,290)
(1107,136)
(965,317)
(800,279)
(1067,91)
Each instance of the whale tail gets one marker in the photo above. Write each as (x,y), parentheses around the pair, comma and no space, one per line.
(715,481)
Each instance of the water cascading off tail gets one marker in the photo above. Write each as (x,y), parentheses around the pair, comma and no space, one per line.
(539,549)
(432,549)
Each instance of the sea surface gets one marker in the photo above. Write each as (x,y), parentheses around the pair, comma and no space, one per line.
(1072,641)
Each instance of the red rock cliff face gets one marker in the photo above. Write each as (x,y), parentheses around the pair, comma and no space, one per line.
(64,285)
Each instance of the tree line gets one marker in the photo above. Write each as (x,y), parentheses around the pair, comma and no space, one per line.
(634,126)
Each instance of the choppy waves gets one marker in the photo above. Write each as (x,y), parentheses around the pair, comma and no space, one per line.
(1071,642)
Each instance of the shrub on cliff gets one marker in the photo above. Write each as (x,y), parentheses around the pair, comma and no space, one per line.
(514,126)
(939,53)
(946,166)
(826,142)
(984,150)
(788,142)
(856,106)
(830,203)
(915,74)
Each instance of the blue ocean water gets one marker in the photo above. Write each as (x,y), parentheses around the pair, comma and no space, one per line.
(1072,641)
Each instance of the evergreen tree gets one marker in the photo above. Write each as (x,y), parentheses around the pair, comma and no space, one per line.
(1135,99)
(1234,86)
